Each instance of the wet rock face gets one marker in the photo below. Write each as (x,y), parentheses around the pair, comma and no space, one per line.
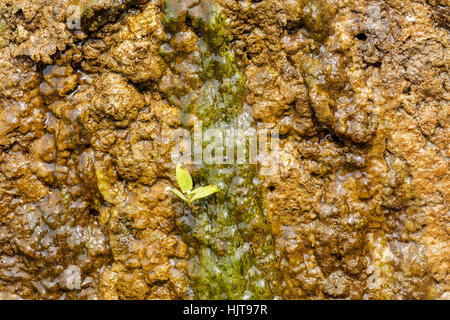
(359,91)
(348,203)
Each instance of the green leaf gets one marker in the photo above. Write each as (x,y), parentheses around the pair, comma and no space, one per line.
(184,179)
(179,194)
(203,192)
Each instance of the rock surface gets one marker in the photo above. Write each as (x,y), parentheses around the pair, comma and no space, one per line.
(359,90)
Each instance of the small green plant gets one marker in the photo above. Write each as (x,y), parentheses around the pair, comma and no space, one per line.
(188,194)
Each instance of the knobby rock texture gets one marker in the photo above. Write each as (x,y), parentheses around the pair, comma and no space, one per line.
(359,92)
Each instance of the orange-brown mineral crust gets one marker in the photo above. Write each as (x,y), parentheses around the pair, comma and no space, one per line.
(358,89)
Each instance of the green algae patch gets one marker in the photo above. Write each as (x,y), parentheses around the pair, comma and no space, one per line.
(233,253)
(3,41)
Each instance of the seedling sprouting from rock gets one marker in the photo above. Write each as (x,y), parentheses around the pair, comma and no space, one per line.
(188,194)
